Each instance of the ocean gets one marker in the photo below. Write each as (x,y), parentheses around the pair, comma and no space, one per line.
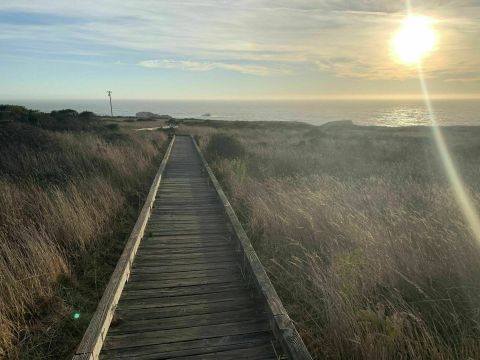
(316,112)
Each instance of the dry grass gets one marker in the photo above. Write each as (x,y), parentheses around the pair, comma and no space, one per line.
(135,124)
(360,233)
(60,195)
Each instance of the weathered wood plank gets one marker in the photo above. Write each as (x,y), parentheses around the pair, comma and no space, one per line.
(188,229)
(259,352)
(178,247)
(250,326)
(187,300)
(168,232)
(149,282)
(190,348)
(182,322)
(193,261)
(165,268)
(179,239)
(232,304)
(184,291)
(204,255)
(179,275)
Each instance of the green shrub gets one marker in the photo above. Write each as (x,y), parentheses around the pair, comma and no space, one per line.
(112,127)
(66,114)
(87,116)
(61,120)
(224,146)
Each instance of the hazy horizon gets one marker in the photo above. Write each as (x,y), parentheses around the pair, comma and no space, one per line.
(380,112)
(371,97)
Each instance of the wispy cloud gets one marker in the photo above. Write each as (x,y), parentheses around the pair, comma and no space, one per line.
(341,37)
(205,66)
(463,80)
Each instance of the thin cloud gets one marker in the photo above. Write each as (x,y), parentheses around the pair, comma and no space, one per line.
(205,66)
(463,80)
(238,36)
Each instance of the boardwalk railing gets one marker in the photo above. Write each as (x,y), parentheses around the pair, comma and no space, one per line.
(282,326)
(91,344)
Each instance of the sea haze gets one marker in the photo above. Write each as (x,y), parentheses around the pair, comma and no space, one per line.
(362,112)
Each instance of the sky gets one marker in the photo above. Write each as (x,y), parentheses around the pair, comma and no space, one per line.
(221,49)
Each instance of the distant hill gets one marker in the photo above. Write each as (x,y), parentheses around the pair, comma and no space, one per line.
(150,115)
(66,119)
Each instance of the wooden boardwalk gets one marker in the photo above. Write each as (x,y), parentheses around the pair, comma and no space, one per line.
(190,293)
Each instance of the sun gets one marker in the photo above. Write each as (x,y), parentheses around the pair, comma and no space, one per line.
(414,40)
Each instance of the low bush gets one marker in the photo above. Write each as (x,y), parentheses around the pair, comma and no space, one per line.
(224,146)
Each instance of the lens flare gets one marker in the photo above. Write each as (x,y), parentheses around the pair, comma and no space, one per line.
(414,40)
(462,197)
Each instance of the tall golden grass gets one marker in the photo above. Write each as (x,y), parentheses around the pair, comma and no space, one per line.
(360,234)
(59,198)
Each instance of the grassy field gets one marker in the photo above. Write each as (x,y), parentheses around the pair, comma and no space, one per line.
(71,187)
(356,226)
(359,232)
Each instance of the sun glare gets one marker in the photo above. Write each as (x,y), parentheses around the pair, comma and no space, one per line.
(415,39)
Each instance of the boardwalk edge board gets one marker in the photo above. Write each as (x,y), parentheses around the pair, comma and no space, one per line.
(92,342)
(282,326)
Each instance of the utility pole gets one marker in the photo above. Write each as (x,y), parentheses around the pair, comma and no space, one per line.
(110,96)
